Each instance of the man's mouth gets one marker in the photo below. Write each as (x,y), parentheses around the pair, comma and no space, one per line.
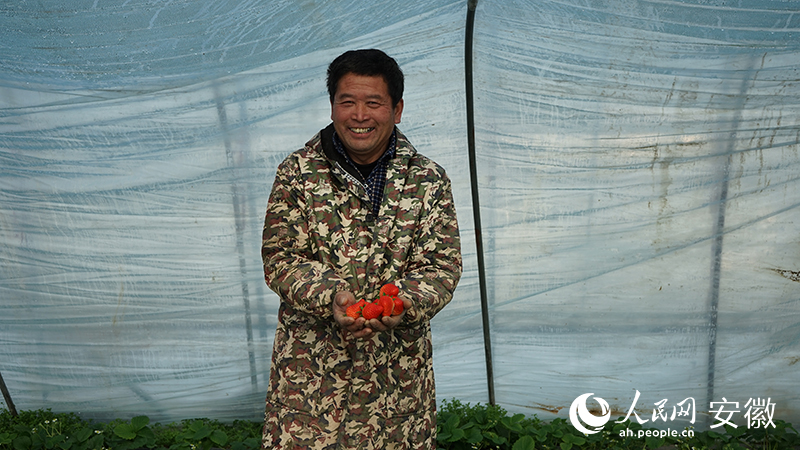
(361,130)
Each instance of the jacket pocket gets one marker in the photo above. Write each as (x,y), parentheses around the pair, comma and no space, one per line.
(298,386)
(409,372)
(302,380)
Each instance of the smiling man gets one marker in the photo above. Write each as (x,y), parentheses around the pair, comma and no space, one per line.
(354,209)
(364,115)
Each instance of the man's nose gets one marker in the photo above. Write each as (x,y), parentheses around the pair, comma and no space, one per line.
(360,112)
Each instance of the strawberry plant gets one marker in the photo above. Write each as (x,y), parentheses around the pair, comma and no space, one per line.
(464,426)
(460,426)
(131,435)
(44,430)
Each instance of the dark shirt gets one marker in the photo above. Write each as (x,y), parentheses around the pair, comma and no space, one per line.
(374,174)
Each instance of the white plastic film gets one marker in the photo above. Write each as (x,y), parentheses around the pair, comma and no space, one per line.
(641,161)
(637,171)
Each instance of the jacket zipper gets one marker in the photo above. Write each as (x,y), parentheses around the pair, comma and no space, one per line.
(355,180)
(350,177)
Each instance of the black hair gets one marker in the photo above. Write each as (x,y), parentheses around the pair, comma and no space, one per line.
(367,62)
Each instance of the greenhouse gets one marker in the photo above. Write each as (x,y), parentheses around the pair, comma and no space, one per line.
(626,175)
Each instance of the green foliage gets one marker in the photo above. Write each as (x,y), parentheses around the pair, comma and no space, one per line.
(460,427)
(122,435)
(781,436)
(464,426)
(44,430)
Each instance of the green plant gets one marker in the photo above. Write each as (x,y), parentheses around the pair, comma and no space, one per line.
(780,436)
(122,435)
(245,435)
(43,429)
(200,434)
(459,425)
(465,426)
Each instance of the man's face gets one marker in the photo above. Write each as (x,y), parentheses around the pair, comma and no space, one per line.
(363,116)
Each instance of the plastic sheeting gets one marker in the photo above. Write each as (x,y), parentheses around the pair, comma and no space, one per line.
(642,161)
(637,174)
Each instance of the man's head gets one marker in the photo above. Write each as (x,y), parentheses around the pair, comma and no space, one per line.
(364,109)
(369,62)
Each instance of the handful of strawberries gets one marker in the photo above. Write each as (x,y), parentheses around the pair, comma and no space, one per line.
(387,304)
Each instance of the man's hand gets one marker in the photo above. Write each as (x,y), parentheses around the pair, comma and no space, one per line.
(388,322)
(357,327)
(362,327)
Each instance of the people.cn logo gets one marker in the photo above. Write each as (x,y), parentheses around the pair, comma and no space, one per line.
(579,415)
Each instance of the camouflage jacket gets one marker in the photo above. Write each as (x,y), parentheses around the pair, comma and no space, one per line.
(327,389)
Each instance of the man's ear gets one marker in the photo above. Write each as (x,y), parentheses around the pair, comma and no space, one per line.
(398,111)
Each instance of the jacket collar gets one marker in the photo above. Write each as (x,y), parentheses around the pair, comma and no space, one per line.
(403,149)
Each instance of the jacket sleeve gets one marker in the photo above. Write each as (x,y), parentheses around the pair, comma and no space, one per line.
(435,263)
(290,266)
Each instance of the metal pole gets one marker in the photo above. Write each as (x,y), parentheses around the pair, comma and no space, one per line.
(476,206)
(7,397)
(719,233)
(240,228)
(716,260)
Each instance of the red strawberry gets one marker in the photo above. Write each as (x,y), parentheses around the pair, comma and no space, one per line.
(389,289)
(354,310)
(387,304)
(372,311)
(398,307)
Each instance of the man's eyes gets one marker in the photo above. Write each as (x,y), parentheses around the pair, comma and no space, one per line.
(371,104)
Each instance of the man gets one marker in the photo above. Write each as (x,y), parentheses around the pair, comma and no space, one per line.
(356,208)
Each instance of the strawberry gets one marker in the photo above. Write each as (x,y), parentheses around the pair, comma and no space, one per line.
(372,311)
(398,307)
(389,289)
(354,310)
(387,304)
